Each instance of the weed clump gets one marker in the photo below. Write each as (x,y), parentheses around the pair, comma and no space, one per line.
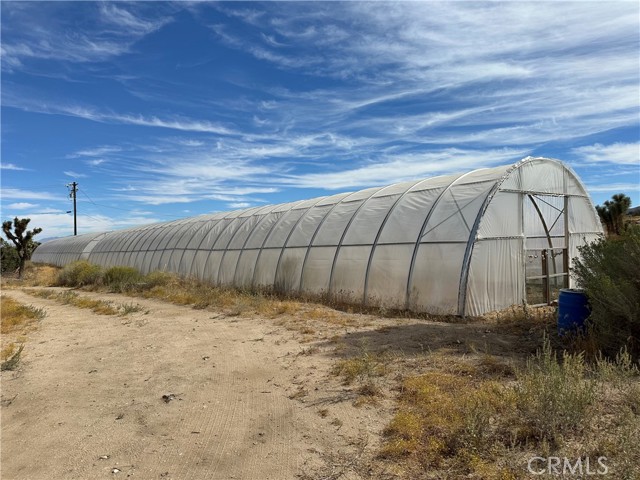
(553,398)
(16,315)
(470,426)
(12,362)
(362,368)
(79,274)
(122,279)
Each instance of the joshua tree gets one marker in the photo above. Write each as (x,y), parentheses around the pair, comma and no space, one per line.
(21,238)
(613,211)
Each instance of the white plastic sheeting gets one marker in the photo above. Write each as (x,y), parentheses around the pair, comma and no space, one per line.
(459,244)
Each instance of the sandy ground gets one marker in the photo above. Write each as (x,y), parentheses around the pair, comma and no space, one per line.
(176,393)
(87,401)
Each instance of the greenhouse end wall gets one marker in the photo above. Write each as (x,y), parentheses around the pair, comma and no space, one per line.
(462,244)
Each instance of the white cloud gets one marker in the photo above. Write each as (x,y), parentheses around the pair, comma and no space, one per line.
(10,166)
(19,194)
(95,162)
(96,152)
(61,224)
(72,174)
(54,34)
(128,21)
(618,153)
(160,199)
(89,113)
(237,205)
(188,142)
(399,168)
(184,124)
(614,187)
(503,63)
(21,205)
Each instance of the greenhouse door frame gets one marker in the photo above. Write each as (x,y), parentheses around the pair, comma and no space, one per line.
(548,265)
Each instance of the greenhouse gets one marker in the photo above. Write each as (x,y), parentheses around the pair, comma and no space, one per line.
(462,244)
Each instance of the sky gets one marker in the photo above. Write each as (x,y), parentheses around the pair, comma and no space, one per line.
(166,110)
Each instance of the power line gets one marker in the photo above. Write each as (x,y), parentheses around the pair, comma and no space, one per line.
(121,209)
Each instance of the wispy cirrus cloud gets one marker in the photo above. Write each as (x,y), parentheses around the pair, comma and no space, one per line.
(403,167)
(11,166)
(96,152)
(613,187)
(618,153)
(454,73)
(102,31)
(128,21)
(179,123)
(72,174)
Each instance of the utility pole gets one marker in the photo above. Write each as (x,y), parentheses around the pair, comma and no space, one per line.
(72,194)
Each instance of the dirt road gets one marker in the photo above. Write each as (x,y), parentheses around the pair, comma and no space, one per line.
(170,392)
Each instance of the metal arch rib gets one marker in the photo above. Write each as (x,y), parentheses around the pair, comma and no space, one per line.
(131,245)
(231,219)
(169,237)
(313,237)
(466,262)
(159,232)
(544,223)
(375,241)
(416,247)
(148,234)
(233,235)
(260,222)
(123,240)
(198,229)
(172,243)
(268,236)
(86,251)
(346,229)
(184,230)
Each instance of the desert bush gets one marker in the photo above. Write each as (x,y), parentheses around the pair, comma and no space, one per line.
(79,274)
(609,272)
(121,279)
(9,258)
(158,278)
(553,397)
(472,427)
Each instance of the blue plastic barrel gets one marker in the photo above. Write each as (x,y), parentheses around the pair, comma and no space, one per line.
(573,310)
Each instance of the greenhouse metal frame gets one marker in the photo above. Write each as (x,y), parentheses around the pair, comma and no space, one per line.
(462,244)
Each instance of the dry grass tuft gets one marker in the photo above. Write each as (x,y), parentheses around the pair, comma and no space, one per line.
(11,363)
(481,426)
(99,307)
(16,316)
(363,368)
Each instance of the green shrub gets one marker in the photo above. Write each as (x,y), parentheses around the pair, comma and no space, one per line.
(609,271)
(9,259)
(553,397)
(79,274)
(122,279)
